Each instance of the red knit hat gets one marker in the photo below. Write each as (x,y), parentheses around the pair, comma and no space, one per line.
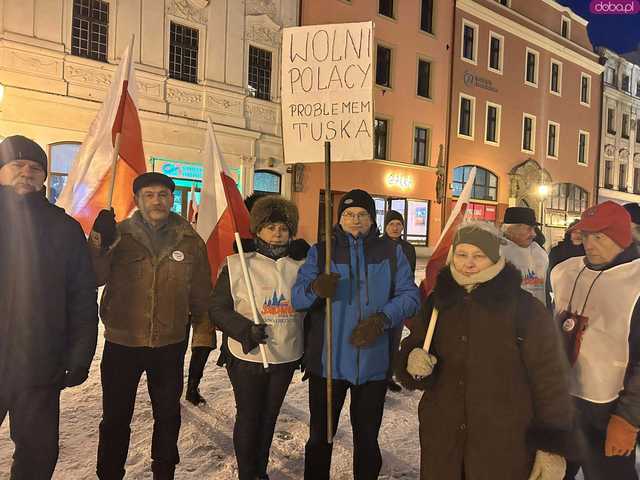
(608,218)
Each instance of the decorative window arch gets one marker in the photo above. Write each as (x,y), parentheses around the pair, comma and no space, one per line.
(485,185)
(267,181)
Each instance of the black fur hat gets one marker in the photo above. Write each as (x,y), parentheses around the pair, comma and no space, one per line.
(273,209)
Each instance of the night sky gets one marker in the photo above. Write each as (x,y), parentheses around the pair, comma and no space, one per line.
(620,33)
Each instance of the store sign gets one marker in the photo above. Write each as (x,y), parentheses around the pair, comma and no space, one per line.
(327,92)
(397,180)
(185,171)
(471,80)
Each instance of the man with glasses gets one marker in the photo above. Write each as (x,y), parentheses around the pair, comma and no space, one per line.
(372,290)
(155,270)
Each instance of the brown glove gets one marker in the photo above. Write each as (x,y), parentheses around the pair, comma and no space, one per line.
(368,330)
(621,437)
(325,285)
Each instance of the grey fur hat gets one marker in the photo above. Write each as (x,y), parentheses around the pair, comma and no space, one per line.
(274,209)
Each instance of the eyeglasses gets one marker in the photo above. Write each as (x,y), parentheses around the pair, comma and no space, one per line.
(355,216)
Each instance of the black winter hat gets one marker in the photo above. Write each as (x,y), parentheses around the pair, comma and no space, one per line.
(523,215)
(18,147)
(152,178)
(634,211)
(393,215)
(273,209)
(358,198)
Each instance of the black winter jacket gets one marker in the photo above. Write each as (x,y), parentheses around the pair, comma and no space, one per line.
(409,250)
(48,309)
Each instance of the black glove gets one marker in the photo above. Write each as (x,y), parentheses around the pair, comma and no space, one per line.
(105,225)
(368,330)
(298,249)
(75,376)
(325,286)
(255,336)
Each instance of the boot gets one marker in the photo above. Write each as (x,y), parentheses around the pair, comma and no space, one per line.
(193,394)
(162,471)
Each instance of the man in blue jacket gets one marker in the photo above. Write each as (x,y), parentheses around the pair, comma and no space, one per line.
(372,291)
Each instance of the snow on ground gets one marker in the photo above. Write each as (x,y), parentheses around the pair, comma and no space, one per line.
(206,446)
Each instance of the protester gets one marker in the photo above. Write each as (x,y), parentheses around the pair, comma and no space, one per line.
(49,318)
(597,307)
(496,403)
(520,249)
(272,262)
(633,209)
(393,227)
(155,270)
(372,292)
(570,246)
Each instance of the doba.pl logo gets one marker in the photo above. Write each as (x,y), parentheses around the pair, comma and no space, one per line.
(614,7)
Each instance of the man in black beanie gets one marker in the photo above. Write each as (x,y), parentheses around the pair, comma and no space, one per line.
(372,291)
(48,309)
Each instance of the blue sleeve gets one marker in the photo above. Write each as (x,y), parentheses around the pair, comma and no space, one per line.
(406,297)
(302,296)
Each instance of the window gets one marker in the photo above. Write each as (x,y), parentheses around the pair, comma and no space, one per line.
(260,72)
(553,135)
(183,53)
(421,146)
(585,89)
(385,8)
(531,68)
(424,79)
(611,121)
(626,83)
(426,16)
(583,148)
(555,80)
(610,76)
(466,114)
(565,27)
(267,181)
(492,128)
(638,130)
(622,177)
(504,2)
(636,179)
(90,29)
(528,133)
(469,44)
(380,127)
(608,174)
(415,213)
(568,197)
(383,66)
(638,89)
(485,185)
(625,125)
(61,157)
(495,52)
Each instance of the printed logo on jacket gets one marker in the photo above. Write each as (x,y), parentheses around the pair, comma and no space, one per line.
(277,309)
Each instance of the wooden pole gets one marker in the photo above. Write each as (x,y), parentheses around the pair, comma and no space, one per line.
(430,330)
(328,326)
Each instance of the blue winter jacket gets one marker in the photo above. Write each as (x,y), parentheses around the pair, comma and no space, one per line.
(366,286)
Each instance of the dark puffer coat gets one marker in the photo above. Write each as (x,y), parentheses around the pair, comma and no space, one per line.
(500,389)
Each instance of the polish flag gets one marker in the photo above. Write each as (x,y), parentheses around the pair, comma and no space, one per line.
(222,211)
(441,251)
(88,185)
(192,211)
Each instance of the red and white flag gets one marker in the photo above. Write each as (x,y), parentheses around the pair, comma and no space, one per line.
(222,211)
(441,250)
(192,212)
(87,189)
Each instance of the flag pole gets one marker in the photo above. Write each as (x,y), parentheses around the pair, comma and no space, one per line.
(116,146)
(328,323)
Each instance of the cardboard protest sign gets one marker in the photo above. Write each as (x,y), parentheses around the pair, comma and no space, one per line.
(327,92)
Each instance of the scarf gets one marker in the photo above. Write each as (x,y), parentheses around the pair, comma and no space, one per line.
(272,251)
(472,281)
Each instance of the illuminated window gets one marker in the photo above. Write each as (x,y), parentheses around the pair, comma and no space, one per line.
(61,156)
(485,185)
(183,53)
(267,181)
(260,72)
(90,29)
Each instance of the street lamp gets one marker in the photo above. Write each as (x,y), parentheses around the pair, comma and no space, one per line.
(543,190)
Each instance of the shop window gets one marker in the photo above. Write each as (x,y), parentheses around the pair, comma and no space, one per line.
(183,53)
(383,66)
(416,216)
(608,174)
(611,121)
(90,29)
(531,68)
(469,41)
(267,181)
(426,16)
(495,52)
(485,185)
(625,125)
(421,146)
(61,157)
(260,72)
(381,204)
(622,177)
(424,79)
(585,89)
(583,148)
(385,7)
(380,127)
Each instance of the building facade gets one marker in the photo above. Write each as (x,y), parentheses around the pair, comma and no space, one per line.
(525,110)
(194,59)
(411,96)
(619,173)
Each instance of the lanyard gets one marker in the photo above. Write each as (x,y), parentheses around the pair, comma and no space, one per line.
(584,305)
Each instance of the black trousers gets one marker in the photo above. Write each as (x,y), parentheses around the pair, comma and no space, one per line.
(121,369)
(199,357)
(367,405)
(593,419)
(395,337)
(259,396)
(34,415)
